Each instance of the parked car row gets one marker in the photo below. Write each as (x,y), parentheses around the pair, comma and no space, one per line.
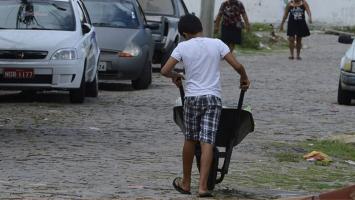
(72,44)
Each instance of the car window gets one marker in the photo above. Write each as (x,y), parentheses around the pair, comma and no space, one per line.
(37,15)
(112,13)
(84,13)
(182,8)
(158,7)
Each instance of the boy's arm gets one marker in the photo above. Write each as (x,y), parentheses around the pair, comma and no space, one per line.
(167,71)
(244,81)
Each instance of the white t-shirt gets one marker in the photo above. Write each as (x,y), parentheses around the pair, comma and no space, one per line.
(201,57)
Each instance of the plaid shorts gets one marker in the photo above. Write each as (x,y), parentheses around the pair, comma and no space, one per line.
(201,118)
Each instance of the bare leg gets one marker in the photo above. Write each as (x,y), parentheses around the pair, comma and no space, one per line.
(188,154)
(299,47)
(206,161)
(291,41)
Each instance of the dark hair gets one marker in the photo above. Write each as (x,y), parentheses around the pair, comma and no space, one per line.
(189,24)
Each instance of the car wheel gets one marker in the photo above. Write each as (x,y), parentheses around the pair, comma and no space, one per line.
(78,95)
(92,88)
(344,97)
(145,79)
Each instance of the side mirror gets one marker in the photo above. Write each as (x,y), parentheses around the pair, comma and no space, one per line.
(153,26)
(86,28)
(345,39)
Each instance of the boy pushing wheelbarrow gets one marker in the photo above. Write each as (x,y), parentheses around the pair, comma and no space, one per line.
(202,103)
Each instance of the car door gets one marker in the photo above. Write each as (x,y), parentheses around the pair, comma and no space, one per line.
(89,42)
(147,32)
(182,8)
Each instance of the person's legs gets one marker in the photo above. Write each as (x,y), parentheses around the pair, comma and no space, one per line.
(299,47)
(206,161)
(291,43)
(209,127)
(188,154)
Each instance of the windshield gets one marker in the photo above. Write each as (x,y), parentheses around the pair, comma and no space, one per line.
(112,13)
(36,15)
(158,7)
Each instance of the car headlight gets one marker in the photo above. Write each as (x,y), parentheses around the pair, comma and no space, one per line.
(130,51)
(65,54)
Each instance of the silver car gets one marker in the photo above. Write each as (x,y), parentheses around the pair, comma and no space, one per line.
(125,41)
(346,88)
(46,45)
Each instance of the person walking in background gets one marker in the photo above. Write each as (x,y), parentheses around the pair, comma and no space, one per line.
(202,108)
(231,13)
(297,27)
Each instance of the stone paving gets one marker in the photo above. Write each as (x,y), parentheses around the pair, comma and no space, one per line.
(125,144)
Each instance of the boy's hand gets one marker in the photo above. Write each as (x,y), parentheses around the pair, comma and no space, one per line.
(177,80)
(244,84)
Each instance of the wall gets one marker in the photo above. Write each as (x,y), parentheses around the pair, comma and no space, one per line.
(329,12)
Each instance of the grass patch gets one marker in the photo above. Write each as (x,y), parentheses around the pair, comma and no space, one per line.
(259,40)
(287,170)
(350,29)
(288,157)
(335,149)
(261,27)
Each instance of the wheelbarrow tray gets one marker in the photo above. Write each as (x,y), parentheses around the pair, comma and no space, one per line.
(228,128)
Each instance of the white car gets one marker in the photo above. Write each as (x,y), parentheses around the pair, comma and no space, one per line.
(48,45)
(346,90)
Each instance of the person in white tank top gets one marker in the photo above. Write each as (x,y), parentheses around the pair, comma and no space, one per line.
(201,57)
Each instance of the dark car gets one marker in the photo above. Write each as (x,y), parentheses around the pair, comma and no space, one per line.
(125,40)
(167,13)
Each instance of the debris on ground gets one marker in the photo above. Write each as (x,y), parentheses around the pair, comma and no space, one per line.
(318,156)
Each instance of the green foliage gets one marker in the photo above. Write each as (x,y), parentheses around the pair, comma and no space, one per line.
(261,27)
(250,41)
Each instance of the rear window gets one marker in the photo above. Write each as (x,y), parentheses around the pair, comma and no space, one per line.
(158,7)
(112,13)
(37,15)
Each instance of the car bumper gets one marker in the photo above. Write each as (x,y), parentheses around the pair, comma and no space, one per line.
(47,75)
(347,81)
(121,68)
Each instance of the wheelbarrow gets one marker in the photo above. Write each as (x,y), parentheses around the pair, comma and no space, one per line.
(235,124)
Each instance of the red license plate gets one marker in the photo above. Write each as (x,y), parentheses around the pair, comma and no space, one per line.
(18,73)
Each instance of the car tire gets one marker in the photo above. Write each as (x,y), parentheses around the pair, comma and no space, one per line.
(92,88)
(78,95)
(344,97)
(145,79)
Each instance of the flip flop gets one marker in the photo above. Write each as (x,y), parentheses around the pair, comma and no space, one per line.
(205,194)
(177,185)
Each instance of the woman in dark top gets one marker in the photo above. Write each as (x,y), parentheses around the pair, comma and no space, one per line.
(231,13)
(297,27)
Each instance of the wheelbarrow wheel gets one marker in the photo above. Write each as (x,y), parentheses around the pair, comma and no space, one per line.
(212,177)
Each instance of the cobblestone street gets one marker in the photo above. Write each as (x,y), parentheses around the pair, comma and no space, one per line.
(125,143)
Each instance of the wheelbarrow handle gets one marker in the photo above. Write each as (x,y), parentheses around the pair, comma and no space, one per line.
(182,94)
(241,99)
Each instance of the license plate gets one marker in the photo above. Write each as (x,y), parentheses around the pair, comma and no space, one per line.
(18,74)
(102,66)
